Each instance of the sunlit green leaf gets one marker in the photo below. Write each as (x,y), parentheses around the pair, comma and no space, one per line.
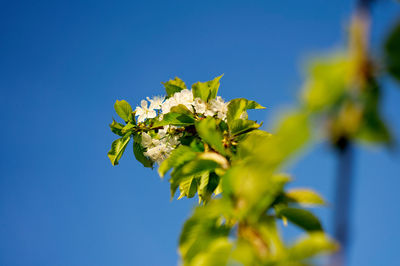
(175,119)
(304,197)
(240,126)
(206,90)
(117,149)
(116,128)
(208,131)
(236,107)
(311,245)
(174,85)
(188,187)
(123,109)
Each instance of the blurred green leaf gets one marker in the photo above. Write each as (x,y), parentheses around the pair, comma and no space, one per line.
(217,254)
(201,231)
(313,244)
(300,217)
(304,197)
(179,156)
(392,52)
(210,134)
(117,149)
(327,82)
(124,110)
(236,107)
(138,151)
(174,85)
(206,90)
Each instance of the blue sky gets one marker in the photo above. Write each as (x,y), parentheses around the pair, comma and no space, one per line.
(64,63)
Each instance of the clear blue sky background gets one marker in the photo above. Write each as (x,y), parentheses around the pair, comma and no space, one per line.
(64,63)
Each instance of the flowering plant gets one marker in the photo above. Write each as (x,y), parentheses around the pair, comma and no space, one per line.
(214,150)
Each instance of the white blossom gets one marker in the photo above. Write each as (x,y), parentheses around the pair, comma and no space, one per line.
(184,97)
(200,106)
(146,140)
(143,112)
(156,102)
(160,146)
(220,107)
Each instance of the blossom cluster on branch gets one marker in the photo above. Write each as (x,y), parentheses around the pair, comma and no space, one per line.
(211,149)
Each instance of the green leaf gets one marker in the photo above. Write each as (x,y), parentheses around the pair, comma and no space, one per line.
(188,187)
(181,109)
(138,151)
(237,107)
(209,133)
(300,217)
(311,245)
(201,230)
(179,156)
(240,126)
(392,55)
(116,128)
(207,184)
(128,128)
(206,90)
(304,197)
(117,149)
(124,110)
(174,85)
(195,167)
(328,80)
(175,119)
(217,253)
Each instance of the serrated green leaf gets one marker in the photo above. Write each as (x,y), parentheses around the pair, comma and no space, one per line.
(138,151)
(175,119)
(174,85)
(236,107)
(123,109)
(207,184)
(179,156)
(300,217)
(117,149)
(188,187)
(392,52)
(304,197)
(240,126)
(210,134)
(116,128)
(206,90)
(311,245)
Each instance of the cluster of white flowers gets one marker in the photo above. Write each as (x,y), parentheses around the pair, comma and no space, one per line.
(160,146)
(215,107)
